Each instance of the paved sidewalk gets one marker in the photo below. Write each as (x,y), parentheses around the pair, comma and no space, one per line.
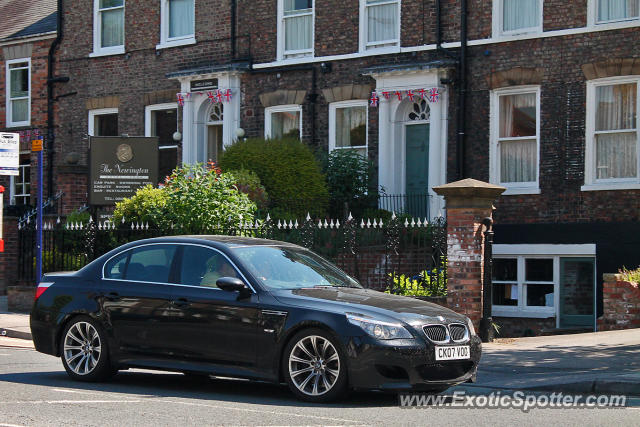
(601,362)
(15,325)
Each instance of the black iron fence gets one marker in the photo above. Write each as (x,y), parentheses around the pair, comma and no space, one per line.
(370,250)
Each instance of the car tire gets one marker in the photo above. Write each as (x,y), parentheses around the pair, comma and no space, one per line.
(318,353)
(84,351)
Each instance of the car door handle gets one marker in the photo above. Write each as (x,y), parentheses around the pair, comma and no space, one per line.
(112,296)
(180,302)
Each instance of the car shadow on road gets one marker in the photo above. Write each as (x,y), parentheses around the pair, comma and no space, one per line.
(141,384)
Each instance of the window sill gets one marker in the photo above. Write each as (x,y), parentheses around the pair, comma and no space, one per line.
(373,50)
(515,191)
(611,186)
(107,52)
(527,313)
(18,125)
(175,43)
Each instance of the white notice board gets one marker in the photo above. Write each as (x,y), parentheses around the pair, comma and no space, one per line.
(9,153)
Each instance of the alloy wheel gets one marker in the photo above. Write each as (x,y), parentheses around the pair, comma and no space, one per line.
(314,365)
(82,348)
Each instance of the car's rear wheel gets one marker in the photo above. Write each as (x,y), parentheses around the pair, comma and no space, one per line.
(314,366)
(84,350)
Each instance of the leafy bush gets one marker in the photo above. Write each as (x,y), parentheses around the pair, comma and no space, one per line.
(429,283)
(249,183)
(288,170)
(630,275)
(61,261)
(194,198)
(349,180)
(78,217)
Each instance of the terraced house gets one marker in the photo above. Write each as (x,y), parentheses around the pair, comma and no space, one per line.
(539,96)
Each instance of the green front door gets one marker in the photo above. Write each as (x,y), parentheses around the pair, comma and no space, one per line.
(417,169)
(577,292)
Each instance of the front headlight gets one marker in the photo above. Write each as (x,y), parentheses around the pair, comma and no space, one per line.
(379,329)
(472,330)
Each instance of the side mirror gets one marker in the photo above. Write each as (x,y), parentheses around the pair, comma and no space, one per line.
(232,284)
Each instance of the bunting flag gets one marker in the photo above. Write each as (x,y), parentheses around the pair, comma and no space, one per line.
(422,92)
(180,99)
(212,97)
(410,95)
(399,95)
(434,95)
(219,95)
(227,95)
(386,95)
(374,99)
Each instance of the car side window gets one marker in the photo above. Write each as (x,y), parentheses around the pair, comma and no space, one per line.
(203,267)
(116,266)
(151,263)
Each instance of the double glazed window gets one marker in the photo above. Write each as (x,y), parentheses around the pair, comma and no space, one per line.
(612,136)
(108,26)
(18,92)
(283,122)
(177,22)
(516,138)
(617,10)
(517,16)
(526,283)
(348,126)
(380,23)
(297,28)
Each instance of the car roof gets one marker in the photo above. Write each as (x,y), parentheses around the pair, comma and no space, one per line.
(229,241)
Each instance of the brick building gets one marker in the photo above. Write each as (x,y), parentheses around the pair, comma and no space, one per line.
(537,96)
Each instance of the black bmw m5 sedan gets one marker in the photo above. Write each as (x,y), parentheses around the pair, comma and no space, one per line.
(248,308)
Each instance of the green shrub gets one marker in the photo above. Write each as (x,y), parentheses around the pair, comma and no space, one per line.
(61,261)
(194,199)
(630,275)
(78,217)
(429,283)
(288,170)
(350,182)
(249,183)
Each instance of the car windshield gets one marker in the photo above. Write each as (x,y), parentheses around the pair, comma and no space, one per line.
(292,268)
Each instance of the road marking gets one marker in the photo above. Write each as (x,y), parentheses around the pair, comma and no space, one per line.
(10,425)
(70,402)
(290,414)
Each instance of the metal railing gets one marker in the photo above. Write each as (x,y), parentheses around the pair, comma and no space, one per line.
(368,249)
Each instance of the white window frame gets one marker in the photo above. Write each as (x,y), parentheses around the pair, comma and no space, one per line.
(148,110)
(9,110)
(537,251)
(385,45)
(165,40)
(498,21)
(99,112)
(12,183)
(591,183)
(593,16)
(295,54)
(98,50)
(332,124)
(494,149)
(280,109)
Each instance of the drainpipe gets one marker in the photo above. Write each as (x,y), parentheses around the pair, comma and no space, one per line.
(50,82)
(462,91)
(234,9)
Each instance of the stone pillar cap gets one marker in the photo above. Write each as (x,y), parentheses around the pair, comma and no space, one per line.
(469,193)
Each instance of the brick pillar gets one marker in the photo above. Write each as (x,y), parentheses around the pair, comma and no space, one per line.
(468,203)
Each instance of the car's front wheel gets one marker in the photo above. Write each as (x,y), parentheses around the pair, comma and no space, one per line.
(84,350)
(314,366)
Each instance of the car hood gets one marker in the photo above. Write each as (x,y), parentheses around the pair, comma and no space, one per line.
(368,302)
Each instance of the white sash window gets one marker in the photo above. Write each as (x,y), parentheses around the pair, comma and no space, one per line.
(379,24)
(296,28)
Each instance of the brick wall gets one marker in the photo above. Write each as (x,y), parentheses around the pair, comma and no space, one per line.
(511,327)
(9,258)
(621,304)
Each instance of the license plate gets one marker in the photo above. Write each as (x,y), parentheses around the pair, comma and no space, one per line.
(453,352)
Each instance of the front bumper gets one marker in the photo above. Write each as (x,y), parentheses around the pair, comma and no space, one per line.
(406,365)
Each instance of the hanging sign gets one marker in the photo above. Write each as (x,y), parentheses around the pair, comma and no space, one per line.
(9,153)
(198,85)
(36,145)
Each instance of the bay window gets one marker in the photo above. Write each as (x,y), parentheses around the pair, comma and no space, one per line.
(611,159)
(379,23)
(516,139)
(348,126)
(296,28)
(18,78)
(108,27)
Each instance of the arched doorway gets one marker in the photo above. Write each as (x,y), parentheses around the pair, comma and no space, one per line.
(214,126)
